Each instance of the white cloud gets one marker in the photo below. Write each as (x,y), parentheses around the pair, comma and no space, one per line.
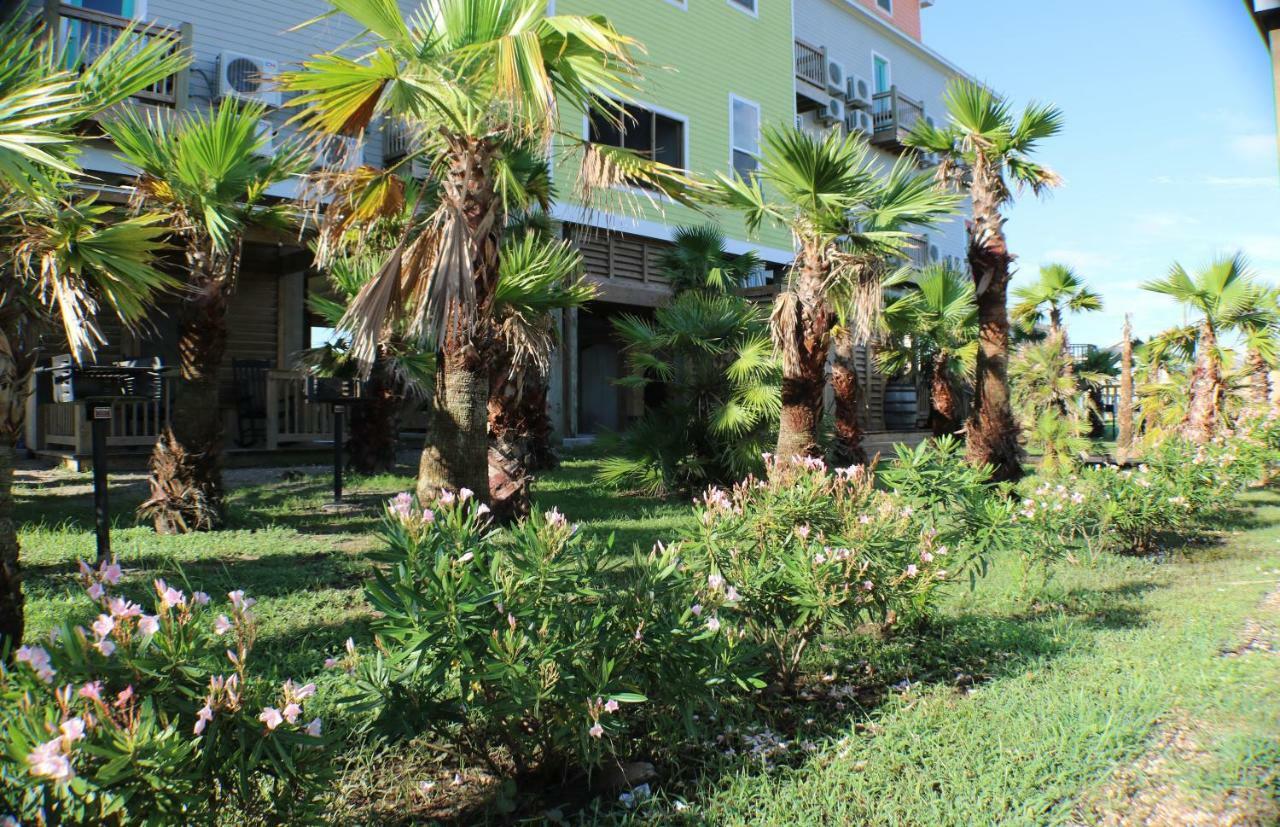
(1243,181)
(1164,179)
(1082,260)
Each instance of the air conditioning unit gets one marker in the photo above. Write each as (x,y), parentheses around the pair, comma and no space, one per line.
(248,78)
(339,153)
(835,77)
(267,132)
(833,111)
(859,120)
(858,92)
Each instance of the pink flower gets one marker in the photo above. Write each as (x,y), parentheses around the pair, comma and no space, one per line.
(48,761)
(38,659)
(124,696)
(111,572)
(330,663)
(95,591)
(103,625)
(106,647)
(291,713)
(912,571)
(714,582)
(200,599)
(313,728)
(72,730)
(611,706)
(555,519)
(926,557)
(696,609)
(466,558)
(271,717)
(305,691)
(92,691)
(731,595)
(802,532)
(203,717)
(713,624)
(482,510)
(148,624)
(239,601)
(85,568)
(446,497)
(121,608)
(596,731)
(222,625)
(868,585)
(401,505)
(428,516)
(465,494)
(169,596)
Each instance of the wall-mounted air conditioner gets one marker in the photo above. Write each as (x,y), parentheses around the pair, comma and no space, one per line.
(858,92)
(833,111)
(248,78)
(835,77)
(859,120)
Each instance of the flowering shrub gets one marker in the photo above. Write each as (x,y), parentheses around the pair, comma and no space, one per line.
(152,717)
(533,643)
(805,550)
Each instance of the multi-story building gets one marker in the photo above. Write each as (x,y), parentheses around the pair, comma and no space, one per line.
(1266,13)
(715,73)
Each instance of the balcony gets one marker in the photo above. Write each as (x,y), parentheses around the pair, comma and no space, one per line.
(811,76)
(87,34)
(894,115)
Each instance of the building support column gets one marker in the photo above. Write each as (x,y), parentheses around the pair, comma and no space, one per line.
(571,371)
(556,380)
(291,313)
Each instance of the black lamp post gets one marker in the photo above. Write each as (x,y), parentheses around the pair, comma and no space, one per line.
(340,394)
(97,388)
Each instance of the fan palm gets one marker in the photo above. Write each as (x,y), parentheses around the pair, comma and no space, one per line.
(470,80)
(707,358)
(69,264)
(537,277)
(1262,353)
(1124,405)
(1059,290)
(208,171)
(934,325)
(1227,297)
(847,219)
(985,149)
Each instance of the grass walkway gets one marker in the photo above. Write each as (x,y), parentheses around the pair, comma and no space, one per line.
(1132,692)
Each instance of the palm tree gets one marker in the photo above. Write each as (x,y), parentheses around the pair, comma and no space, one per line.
(847,219)
(208,172)
(537,277)
(985,150)
(1227,297)
(1124,406)
(935,326)
(707,360)
(1261,351)
(472,80)
(69,264)
(1058,290)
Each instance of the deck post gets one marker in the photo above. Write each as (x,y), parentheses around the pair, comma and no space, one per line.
(273,414)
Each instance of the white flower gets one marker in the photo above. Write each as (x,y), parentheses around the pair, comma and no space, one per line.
(148,624)
(596,731)
(203,717)
(106,647)
(713,623)
(222,625)
(200,599)
(72,729)
(48,761)
(731,595)
(482,510)
(465,494)
(271,717)
(96,591)
(291,713)
(611,706)
(313,728)
(103,625)
(239,601)
(467,558)
(714,582)
(912,571)
(696,609)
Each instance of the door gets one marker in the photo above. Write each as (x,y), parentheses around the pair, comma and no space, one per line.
(86,39)
(880,73)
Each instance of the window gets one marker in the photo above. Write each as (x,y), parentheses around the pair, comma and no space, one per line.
(748,6)
(120,8)
(651,134)
(885,6)
(744,135)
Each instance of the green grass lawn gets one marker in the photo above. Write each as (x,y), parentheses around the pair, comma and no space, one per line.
(1132,690)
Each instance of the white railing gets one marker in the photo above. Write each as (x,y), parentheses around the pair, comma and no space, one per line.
(133,423)
(290,417)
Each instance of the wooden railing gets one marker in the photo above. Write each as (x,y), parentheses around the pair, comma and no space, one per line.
(86,34)
(1079,352)
(290,417)
(811,64)
(894,112)
(133,424)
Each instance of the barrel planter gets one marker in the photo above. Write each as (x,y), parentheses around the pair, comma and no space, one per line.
(900,406)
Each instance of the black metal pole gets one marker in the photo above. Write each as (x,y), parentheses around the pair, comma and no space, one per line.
(101,419)
(338,412)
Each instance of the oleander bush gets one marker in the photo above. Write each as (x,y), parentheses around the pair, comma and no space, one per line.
(154,718)
(533,649)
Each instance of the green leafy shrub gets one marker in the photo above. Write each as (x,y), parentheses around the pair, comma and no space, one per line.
(533,646)
(154,718)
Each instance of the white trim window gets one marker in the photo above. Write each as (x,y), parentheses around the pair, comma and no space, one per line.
(751,7)
(744,135)
(885,6)
(680,4)
(648,131)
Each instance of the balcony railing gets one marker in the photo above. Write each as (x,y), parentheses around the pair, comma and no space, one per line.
(1081,352)
(86,34)
(811,64)
(894,115)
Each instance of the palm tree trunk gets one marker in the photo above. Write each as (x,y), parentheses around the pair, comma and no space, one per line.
(186,465)
(456,453)
(846,388)
(1206,388)
(375,425)
(1259,380)
(11,615)
(942,398)
(1124,412)
(801,323)
(514,400)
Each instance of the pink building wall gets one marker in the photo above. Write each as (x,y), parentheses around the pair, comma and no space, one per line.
(905,16)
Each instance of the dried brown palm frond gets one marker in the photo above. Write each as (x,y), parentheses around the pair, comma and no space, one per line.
(785,324)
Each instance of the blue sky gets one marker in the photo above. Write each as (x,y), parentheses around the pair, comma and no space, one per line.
(1169,151)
